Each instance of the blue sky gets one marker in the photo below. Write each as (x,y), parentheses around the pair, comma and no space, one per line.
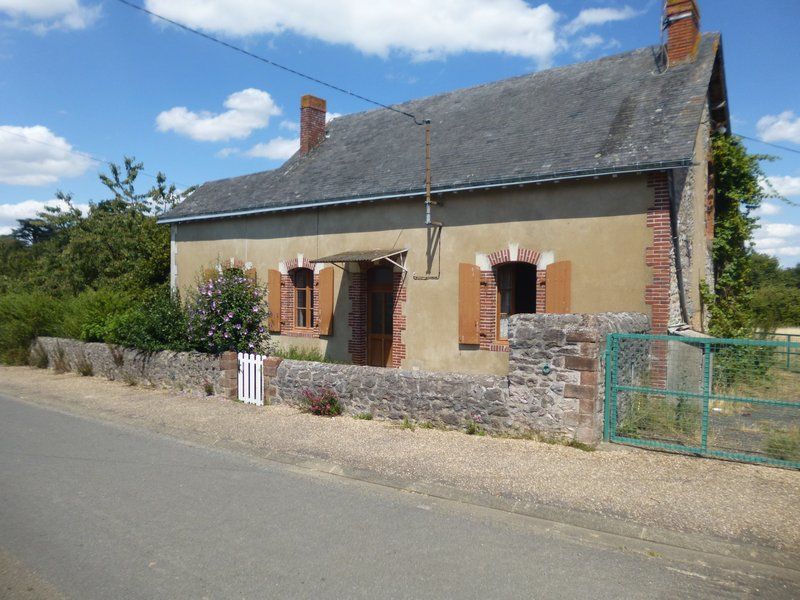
(98,77)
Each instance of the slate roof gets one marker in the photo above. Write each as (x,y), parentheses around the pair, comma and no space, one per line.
(595,117)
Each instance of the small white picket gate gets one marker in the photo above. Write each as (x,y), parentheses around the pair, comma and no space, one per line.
(251,378)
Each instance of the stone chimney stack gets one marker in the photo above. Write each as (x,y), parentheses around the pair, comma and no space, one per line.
(682,21)
(312,122)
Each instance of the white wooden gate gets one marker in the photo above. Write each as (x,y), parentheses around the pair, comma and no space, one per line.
(251,378)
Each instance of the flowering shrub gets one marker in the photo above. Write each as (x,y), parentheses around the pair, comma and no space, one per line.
(325,402)
(227,313)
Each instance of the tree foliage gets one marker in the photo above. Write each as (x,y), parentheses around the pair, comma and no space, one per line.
(117,243)
(738,177)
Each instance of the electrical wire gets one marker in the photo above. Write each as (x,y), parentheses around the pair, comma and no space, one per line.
(270,62)
(752,139)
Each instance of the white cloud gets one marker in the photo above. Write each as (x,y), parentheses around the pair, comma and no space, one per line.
(226,152)
(590,17)
(418,28)
(36,156)
(248,110)
(785,185)
(290,125)
(768,209)
(779,230)
(784,127)
(45,15)
(778,239)
(278,148)
(10,213)
(330,116)
(590,41)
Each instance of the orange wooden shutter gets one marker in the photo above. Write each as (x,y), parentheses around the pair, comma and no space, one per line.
(469,304)
(558,284)
(274,298)
(326,301)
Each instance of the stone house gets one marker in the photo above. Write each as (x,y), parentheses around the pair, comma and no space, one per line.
(586,188)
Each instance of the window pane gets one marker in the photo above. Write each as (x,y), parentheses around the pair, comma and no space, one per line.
(376,313)
(387,312)
(380,276)
(503,334)
(301,317)
(301,298)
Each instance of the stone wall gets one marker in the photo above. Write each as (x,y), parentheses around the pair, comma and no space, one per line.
(554,386)
(191,371)
(448,399)
(556,373)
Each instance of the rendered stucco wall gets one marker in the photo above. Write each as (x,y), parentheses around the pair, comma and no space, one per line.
(598,225)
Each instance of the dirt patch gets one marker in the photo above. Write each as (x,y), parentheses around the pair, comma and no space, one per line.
(737,501)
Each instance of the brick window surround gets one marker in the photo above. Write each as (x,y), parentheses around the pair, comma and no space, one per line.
(357,319)
(488,319)
(288,299)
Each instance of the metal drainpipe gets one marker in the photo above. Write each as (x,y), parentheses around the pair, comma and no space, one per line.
(673,225)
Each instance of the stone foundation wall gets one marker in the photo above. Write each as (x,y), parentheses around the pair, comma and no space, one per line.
(447,399)
(554,386)
(191,371)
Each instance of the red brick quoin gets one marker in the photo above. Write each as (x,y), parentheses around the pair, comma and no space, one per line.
(658,258)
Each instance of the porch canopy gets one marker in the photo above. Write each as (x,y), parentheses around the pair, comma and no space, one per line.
(396,256)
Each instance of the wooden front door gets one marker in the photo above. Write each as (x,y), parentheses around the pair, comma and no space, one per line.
(380,304)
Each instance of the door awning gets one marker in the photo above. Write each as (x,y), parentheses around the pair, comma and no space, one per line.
(396,256)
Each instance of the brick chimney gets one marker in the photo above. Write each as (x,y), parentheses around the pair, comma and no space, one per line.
(682,20)
(312,122)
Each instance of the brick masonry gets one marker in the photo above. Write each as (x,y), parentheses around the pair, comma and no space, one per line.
(357,319)
(683,35)
(488,314)
(289,326)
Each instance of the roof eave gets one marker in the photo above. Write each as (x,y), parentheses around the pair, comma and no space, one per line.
(532,179)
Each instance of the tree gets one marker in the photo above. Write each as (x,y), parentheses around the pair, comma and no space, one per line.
(739,191)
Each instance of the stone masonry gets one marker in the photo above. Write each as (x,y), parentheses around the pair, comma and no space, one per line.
(554,386)
(192,371)
(556,371)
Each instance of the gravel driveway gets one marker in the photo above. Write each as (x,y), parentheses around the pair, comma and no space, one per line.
(746,503)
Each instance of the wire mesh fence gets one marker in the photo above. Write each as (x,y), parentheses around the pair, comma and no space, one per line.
(736,399)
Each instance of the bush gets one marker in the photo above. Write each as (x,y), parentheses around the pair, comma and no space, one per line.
(324,403)
(23,317)
(227,313)
(89,315)
(157,323)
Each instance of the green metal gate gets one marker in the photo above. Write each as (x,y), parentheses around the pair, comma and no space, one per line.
(734,399)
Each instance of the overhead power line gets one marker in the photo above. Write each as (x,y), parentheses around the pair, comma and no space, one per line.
(270,62)
(752,139)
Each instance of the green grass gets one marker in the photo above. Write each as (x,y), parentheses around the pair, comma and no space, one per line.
(783,444)
(364,416)
(407,424)
(660,419)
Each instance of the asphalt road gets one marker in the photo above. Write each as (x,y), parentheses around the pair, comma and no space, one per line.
(94,510)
